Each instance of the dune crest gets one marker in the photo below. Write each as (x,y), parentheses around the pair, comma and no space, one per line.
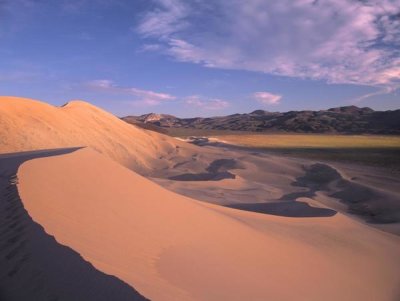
(28,124)
(34,266)
(170,247)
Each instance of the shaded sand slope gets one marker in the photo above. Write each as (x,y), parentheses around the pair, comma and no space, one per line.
(271,184)
(33,265)
(170,247)
(27,124)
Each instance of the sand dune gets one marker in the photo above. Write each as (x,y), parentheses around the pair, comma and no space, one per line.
(28,124)
(33,265)
(214,175)
(118,233)
(272,184)
(171,247)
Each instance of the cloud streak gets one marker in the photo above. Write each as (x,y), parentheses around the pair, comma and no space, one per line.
(381,91)
(267,98)
(140,96)
(338,41)
(206,103)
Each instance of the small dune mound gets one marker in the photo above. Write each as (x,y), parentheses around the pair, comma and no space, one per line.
(223,165)
(216,171)
(317,176)
(28,124)
(286,208)
(374,205)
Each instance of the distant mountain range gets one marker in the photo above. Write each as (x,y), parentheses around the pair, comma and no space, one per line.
(344,120)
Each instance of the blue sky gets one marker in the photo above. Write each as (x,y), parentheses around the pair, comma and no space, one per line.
(202,58)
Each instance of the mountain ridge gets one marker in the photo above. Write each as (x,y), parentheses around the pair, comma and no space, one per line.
(342,120)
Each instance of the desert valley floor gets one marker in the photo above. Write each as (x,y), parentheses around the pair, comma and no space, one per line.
(93,208)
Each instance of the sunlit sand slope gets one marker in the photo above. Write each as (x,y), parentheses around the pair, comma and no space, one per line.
(27,124)
(170,247)
(33,265)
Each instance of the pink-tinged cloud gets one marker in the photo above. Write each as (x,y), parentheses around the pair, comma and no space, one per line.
(267,98)
(339,41)
(207,104)
(142,97)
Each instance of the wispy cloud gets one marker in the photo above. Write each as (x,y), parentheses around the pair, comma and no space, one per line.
(267,98)
(139,96)
(206,103)
(339,41)
(380,91)
(165,20)
(150,47)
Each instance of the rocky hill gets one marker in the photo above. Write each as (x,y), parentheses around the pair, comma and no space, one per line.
(346,120)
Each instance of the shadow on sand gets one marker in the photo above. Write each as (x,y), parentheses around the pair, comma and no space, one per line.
(370,204)
(286,208)
(34,266)
(216,171)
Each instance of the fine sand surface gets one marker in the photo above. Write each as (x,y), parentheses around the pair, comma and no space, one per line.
(170,247)
(33,265)
(272,184)
(27,124)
